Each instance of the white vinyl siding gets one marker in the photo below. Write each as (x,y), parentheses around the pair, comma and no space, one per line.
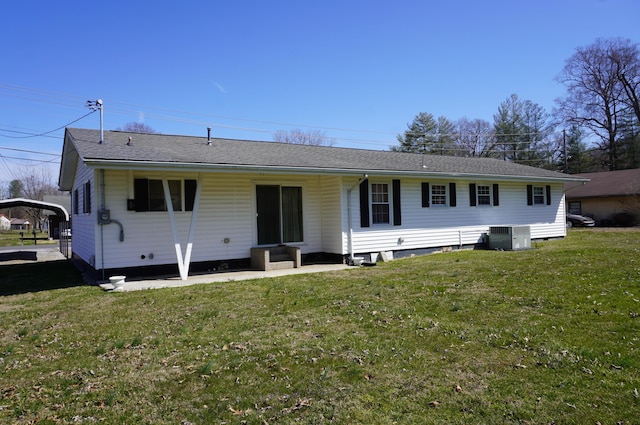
(226,222)
(83,224)
(464,224)
(333,212)
(225,227)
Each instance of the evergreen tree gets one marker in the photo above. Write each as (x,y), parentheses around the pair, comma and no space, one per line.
(425,134)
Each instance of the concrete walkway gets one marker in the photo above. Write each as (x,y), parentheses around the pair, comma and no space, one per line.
(226,276)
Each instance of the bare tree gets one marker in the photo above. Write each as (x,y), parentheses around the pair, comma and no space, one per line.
(602,82)
(626,59)
(137,127)
(300,137)
(475,137)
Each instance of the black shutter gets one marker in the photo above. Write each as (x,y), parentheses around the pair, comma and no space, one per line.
(189,194)
(496,195)
(76,201)
(425,195)
(141,194)
(548,195)
(529,194)
(364,203)
(452,194)
(397,214)
(472,194)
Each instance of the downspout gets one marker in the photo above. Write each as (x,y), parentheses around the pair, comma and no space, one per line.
(350,225)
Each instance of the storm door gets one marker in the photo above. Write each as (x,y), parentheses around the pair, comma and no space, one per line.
(279,210)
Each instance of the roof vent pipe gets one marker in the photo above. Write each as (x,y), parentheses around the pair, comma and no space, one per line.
(208,136)
(129,142)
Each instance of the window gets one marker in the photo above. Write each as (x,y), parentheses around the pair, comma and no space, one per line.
(484,195)
(380,203)
(86,198)
(438,194)
(538,195)
(149,195)
(575,207)
(376,203)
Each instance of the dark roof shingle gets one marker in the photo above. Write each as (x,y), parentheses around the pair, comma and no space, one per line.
(159,150)
(606,183)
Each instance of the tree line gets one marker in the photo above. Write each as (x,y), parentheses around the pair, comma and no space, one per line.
(594,127)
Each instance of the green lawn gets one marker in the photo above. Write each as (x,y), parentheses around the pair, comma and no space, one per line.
(548,335)
(15,238)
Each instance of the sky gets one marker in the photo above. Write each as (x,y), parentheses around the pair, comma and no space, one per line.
(357,70)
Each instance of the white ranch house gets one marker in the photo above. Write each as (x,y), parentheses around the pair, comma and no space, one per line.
(229,196)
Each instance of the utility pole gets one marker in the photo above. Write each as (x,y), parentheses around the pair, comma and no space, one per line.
(564,151)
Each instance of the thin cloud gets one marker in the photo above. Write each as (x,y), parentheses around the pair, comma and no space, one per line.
(219,87)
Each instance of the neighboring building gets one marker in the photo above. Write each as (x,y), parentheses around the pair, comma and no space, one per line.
(20,224)
(5,223)
(229,196)
(610,197)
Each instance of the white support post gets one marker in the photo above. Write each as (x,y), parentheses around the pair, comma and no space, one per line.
(183,262)
(192,226)
(174,230)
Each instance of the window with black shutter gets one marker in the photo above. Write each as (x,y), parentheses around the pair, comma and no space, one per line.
(149,194)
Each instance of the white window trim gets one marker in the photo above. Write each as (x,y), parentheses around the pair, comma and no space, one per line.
(541,196)
(478,195)
(445,195)
(389,202)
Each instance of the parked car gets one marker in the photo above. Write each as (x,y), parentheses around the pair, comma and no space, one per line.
(579,220)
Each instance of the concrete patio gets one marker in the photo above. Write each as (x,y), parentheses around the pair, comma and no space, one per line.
(223,276)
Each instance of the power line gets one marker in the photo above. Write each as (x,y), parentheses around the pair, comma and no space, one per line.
(28,151)
(46,132)
(68,100)
(29,159)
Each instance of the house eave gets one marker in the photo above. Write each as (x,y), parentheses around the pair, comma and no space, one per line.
(198,167)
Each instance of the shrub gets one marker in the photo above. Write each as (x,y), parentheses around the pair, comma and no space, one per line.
(624,219)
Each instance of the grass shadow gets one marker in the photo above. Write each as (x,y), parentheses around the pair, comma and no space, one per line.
(35,277)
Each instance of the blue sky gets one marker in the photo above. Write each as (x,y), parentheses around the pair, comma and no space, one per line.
(358,70)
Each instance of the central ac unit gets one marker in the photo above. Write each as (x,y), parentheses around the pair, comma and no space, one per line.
(509,238)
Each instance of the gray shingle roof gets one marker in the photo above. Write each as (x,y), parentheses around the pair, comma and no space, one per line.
(159,150)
